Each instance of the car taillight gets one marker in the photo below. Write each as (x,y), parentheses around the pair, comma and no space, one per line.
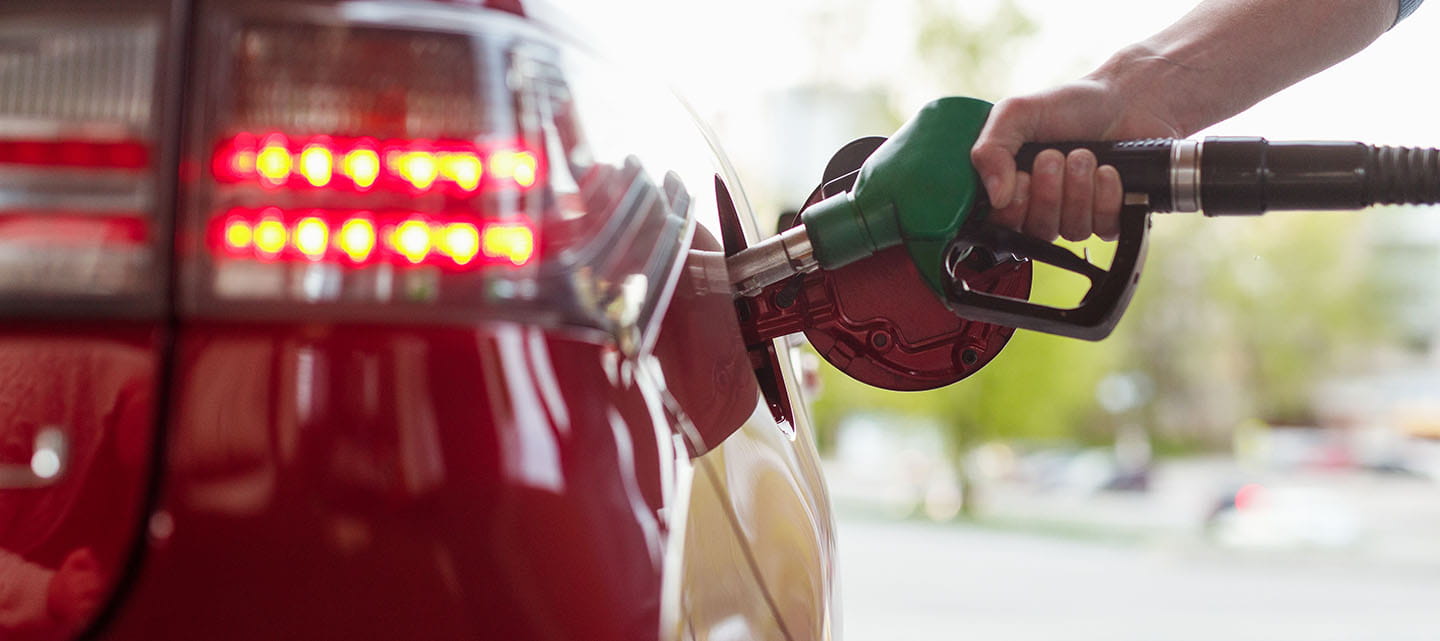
(80,221)
(427,162)
(360,238)
(349,166)
(460,168)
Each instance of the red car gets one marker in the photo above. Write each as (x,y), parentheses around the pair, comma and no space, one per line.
(375,319)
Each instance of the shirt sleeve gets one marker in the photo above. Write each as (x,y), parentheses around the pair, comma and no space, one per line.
(1407,7)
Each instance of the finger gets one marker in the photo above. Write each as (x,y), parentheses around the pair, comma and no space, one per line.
(996,165)
(1042,220)
(1013,216)
(1010,124)
(1109,194)
(1076,209)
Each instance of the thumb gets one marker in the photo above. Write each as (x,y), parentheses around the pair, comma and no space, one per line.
(994,158)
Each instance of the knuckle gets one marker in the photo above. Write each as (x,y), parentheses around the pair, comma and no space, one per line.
(1107,230)
(1009,217)
(1045,197)
(1074,232)
(1042,227)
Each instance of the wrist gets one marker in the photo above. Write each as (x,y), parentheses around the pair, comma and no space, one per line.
(1147,85)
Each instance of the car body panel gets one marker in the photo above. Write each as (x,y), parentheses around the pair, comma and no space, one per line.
(64,541)
(365,482)
(471,478)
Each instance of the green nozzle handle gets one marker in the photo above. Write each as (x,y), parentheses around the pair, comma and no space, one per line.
(918,189)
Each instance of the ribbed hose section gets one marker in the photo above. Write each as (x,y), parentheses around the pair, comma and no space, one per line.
(1402,176)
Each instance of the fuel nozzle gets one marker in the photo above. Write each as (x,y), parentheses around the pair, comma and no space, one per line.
(918,190)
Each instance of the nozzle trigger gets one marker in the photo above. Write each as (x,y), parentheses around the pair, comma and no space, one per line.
(1097,313)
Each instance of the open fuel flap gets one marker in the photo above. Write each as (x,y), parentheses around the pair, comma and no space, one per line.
(876,320)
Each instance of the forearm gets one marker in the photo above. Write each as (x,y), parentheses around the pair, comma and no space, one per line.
(1226,55)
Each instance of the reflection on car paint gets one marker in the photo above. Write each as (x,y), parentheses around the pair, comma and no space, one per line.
(64,539)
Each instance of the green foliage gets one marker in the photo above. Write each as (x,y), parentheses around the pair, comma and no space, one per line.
(1240,318)
(967,57)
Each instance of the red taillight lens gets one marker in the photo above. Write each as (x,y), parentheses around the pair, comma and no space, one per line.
(429,163)
(80,223)
(415,184)
(459,168)
(80,154)
(362,238)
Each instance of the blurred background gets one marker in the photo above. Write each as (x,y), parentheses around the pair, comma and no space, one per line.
(1253,455)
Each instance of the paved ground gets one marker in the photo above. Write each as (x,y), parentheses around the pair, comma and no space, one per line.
(916,580)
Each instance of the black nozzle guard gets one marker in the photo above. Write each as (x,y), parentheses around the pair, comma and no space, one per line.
(1098,312)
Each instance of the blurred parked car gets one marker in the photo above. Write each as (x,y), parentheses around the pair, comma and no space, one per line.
(1262,517)
(379,319)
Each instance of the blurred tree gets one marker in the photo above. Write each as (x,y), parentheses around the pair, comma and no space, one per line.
(968,57)
(1240,318)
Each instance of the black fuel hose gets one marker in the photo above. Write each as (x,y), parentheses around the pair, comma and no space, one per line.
(1245,176)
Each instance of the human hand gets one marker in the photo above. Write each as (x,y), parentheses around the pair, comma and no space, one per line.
(1065,195)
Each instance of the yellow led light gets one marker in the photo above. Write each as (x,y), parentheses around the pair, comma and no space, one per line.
(362,166)
(502,164)
(270,236)
(357,238)
(238,234)
(274,163)
(316,165)
(515,243)
(462,242)
(412,240)
(243,163)
(418,168)
(312,237)
(520,166)
(525,168)
(463,169)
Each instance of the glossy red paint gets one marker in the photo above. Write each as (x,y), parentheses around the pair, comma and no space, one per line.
(700,353)
(64,541)
(500,482)
(851,319)
(476,480)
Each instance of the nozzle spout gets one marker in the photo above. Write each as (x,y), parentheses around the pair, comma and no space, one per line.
(771,261)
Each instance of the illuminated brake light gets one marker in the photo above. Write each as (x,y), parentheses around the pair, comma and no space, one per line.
(460,167)
(417,168)
(463,169)
(273,163)
(525,169)
(357,239)
(519,166)
(238,234)
(312,237)
(512,242)
(361,238)
(412,240)
(316,165)
(243,163)
(461,241)
(270,237)
(362,166)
